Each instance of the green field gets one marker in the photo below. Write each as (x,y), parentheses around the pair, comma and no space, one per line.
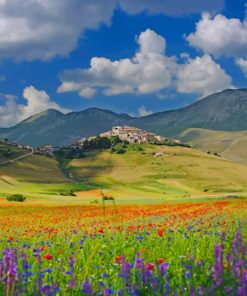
(231,145)
(177,173)
(135,176)
(38,177)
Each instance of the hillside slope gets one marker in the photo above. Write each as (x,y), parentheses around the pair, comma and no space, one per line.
(8,153)
(178,172)
(231,145)
(33,168)
(225,111)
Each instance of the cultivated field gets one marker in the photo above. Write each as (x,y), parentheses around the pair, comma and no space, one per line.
(166,249)
(176,224)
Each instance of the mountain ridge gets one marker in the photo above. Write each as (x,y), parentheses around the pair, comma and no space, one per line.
(226,111)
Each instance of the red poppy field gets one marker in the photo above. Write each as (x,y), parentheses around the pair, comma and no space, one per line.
(169,249)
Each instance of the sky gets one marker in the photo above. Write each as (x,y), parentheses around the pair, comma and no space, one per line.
(129,56)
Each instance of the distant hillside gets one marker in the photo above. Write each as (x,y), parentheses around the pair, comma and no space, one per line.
(8,152)
(175,172)
(226,111)
(33,168)
(231,145)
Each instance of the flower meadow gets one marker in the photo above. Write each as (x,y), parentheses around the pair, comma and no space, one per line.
(169,249)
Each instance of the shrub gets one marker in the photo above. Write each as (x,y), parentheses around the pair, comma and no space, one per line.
(16,197)
(68,193)
(119,149)
(95,201)
(108,198)
(115,140)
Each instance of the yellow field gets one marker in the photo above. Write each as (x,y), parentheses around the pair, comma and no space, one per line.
(231,145)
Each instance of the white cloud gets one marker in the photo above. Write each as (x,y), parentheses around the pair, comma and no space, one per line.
(169,7)
(36,101)
(220,36)
(150,70)
(202,76)
(150,42)
(142,111)
(242,63)
(87,92)
(35,29)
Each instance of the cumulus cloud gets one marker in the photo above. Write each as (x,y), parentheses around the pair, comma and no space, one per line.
(220,35)
(35,29)
(143,111)
(242,63)
(150,70)
(203,76)
(35,101)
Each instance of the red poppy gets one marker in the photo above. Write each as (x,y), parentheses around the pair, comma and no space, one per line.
(48,256)
(119,259)
(161,260)
(161,232)
(150,266)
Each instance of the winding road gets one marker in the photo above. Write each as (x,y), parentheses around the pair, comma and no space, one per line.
(18,158)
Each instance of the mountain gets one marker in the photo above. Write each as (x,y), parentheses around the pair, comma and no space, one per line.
(225,111)
(56,128)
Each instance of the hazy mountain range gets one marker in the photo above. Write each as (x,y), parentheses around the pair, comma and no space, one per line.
(224,111)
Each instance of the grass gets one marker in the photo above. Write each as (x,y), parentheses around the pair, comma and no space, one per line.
(8,152)
(133,177)
(179,173)
(38,177)
(36,169)
(231,145)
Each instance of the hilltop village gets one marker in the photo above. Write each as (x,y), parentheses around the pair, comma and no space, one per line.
(126,134)
(132,135)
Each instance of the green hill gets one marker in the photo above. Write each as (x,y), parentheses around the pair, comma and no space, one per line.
(33,168)
(36,176)
(143,172)
(230,145)
(168,172)
(8,152)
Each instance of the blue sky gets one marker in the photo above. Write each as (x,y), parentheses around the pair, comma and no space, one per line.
(130,56)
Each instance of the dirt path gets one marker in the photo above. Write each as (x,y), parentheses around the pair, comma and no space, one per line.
(18,158)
